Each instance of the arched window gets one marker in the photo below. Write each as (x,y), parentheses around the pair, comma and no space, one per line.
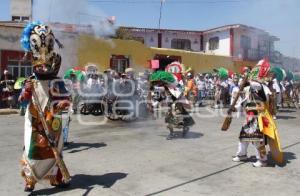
(183,44)
(213,43)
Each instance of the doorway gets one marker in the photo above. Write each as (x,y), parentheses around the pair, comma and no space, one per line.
(165,60)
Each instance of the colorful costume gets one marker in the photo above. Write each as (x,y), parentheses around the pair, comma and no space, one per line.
(191,90)
(38,162)
(177,115)
(259,128)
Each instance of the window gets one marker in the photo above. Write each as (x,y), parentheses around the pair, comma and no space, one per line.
(25,18)
(20,18)
(246,50)
(245,42)
(183,44)
(119,63)
(16,18)
(19,68)
(213,43)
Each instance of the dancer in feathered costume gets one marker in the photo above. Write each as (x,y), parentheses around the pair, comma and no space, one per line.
(177,115)
(259,128)
(43,91)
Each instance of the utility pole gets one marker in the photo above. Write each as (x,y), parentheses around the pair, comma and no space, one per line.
(160,12)
(159,35)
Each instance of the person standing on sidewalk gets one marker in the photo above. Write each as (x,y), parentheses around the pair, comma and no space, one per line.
(201,89)
(7,86)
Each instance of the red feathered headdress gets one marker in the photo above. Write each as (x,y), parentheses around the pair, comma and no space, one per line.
(264,68)
(244,69)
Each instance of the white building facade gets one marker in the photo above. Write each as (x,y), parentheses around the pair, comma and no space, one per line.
(11,53)
(21,10)
(238,41)
(217,43)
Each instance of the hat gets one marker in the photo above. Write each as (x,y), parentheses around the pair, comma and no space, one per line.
(222,73)
(260,62)
(231,73)
(279,75)
(264,68)
(162,76)
(244,70)
(129,70)
(107,71)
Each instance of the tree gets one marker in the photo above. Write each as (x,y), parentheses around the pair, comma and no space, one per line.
(122,33)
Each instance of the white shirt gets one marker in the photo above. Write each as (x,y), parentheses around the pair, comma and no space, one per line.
(201,85)
(276,86)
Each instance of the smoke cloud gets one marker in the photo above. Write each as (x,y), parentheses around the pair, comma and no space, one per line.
(280,18)
(73,12)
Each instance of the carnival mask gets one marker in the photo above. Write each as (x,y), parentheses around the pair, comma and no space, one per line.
(42,44)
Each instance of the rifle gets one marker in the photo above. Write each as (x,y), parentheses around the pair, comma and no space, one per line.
(60,162)
(228,119)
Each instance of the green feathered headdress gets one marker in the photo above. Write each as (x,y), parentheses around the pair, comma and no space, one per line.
(278,73)
(223,73)
(162,76)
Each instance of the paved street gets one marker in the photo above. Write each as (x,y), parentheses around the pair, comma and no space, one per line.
(119,158)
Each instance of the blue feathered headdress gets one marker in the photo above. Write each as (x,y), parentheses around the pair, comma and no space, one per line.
(26,35)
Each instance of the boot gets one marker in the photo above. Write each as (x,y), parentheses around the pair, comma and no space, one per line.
(259,163)
(57,180)
(171,135)
(240,158)
(29,184)
(185,131)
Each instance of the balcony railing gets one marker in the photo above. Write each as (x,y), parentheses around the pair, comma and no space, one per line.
(256,54)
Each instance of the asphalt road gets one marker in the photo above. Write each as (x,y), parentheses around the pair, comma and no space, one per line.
(121,158)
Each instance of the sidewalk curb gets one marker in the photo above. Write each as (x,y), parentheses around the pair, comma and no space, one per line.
(8,111)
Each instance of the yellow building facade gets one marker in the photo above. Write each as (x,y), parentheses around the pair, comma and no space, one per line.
(101,52)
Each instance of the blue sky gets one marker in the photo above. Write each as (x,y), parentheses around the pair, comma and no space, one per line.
(4,10)
(279,17)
